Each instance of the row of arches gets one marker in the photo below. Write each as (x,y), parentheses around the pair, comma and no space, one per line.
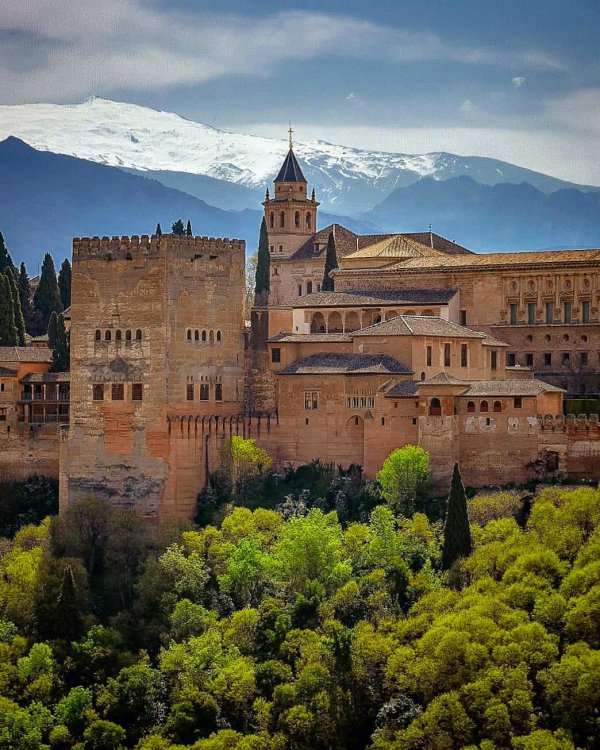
(336,322)
(297,220)
(120,335)
(204,336)
(435,407)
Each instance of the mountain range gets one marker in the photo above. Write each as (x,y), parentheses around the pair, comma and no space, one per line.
(103,167)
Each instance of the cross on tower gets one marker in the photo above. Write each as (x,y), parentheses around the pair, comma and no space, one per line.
(290,132)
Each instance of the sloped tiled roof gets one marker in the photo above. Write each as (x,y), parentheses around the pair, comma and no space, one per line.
(404,389)
(419,325)
(501,259)
(439,243)
(375,297)
(347,364)
(25,354)
(290,170)
(511,388)
(442,378)
(396,246)
(310,338)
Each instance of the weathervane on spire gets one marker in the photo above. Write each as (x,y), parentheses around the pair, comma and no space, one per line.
(290,133)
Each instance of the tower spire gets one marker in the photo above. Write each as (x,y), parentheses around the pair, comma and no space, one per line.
(290,133)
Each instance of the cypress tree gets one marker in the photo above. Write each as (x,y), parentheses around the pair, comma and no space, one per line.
(46,299)
(25,298)
(262,284)
(457,533)
(64,283)
(5,260)
(68,608)
(188,229)
(177,228)
(158,232)
(17,311)
(58,340)
(8,332)
(330,264)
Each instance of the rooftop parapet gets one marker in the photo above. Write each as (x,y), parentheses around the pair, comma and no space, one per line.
(147,247)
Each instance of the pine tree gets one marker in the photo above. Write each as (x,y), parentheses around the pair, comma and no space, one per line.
(5,260)
(68,607)
(25,298)
(177,228)
(64,283)
(188,229)
(158,232)
(46,299)
(8,332)
(58,341)
(262,284)
(17,311)
(330,264)
(457,533)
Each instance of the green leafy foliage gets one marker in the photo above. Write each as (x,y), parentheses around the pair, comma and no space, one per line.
(59,342)
(403,476)
(46,298)
(64,283)
(297,630)
(262,279)
(330,263)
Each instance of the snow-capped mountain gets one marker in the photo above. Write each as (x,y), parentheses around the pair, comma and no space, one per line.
(346,179)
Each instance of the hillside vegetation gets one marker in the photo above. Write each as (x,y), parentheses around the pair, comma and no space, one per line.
(288,630)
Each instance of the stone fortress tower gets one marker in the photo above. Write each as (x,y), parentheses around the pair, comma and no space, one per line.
(157,341)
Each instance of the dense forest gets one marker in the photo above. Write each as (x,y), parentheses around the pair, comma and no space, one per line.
(330,620)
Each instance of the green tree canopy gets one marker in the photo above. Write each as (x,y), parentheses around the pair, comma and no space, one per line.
(330,263)
(59,342)
(25,299)
(16,303)
(188,229)
(46,299)
(262,278)
(8,330)
(402,476)
(64,283)
(158,230)
(6,261)
(178,228)
(457,534)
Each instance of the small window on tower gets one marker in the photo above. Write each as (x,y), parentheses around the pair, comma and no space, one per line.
(271,220)
(218,392)
(98,392)
(282,219)
(189,391)
(117,392)
(308,220)
(309,287)
(297,219)
(98,334)
(276,355)
(204,395)
(137,391)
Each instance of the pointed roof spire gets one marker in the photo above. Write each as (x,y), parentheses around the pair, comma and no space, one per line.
(290,169)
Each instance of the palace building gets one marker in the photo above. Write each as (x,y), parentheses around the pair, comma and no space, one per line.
(421,341)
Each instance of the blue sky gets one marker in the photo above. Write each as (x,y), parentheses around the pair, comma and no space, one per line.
(515,80)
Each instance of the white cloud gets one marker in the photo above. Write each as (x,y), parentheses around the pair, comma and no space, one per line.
(519,81)
(87,46)
(467,107)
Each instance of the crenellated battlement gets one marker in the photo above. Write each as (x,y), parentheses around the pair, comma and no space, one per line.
(570,423)
(146,247)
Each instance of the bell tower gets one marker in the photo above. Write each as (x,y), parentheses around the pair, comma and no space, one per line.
(290,215)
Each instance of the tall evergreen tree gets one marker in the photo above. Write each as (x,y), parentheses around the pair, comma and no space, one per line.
(17,311)
(8,332)
(330,264)
(177,228)
(58,340)
(25,298)
(5,260)
(188,229)
(158,232)
(46,299)
(64,283)
(457,533)
(262,284)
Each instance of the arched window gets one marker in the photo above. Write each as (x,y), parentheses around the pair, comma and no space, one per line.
(218,337)
(497,406)
(98,334)
(107,335)
(377,319)
(423,376)
(471,406)
(309,287)
(297,219)
(435,407)
(211,336)
(196,335)
(138,334)
(127,335)
(118,335)
(282,219)
(483,406)
(308,220)
(271,220)
(203,335)
(189,334)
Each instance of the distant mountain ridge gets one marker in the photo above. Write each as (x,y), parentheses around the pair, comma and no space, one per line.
(47,199)
(493,218)
(347,180)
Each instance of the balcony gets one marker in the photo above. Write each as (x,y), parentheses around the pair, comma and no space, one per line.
(48,397)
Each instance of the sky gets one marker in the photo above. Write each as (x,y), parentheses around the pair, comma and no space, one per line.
(519,81)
